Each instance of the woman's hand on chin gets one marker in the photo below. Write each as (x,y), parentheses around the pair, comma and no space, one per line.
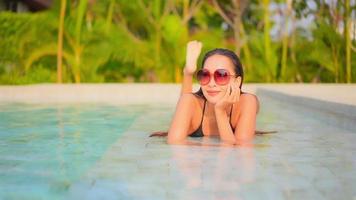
(232,95)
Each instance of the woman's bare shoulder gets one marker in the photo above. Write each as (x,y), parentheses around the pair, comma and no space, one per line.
(249,100)
(248,96)
(191,98)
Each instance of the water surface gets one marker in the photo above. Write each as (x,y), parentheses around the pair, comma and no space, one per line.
(103,152)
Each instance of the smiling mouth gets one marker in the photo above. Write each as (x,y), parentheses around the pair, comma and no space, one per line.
(213,93)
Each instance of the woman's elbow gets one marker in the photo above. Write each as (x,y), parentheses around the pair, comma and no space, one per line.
(228,142)
(172,139)
(244,141)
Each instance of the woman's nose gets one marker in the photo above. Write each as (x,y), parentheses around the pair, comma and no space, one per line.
(212,82)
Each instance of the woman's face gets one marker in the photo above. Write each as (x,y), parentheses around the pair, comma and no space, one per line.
(212,91)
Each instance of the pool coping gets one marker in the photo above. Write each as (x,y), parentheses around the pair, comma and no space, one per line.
(130,93)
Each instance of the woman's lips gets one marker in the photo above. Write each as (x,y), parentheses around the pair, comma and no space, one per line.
(212,93)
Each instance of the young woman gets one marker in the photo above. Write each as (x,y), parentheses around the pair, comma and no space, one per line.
(219,108)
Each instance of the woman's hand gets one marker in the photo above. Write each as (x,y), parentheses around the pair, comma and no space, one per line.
(193,52)
(232,95)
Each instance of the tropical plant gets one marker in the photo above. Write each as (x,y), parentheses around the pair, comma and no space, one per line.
(144,40)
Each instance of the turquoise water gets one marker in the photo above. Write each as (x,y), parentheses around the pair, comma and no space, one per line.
(44,149)
(94,151)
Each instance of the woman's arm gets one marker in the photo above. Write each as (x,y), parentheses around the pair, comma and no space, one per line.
(225,131)
(246,123)
(187,83)
(182,119)
(192,55)
(232,95)
(245,127)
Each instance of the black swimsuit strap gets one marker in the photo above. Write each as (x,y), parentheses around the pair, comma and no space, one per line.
(202,116)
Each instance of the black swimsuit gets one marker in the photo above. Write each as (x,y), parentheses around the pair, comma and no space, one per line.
(199,131)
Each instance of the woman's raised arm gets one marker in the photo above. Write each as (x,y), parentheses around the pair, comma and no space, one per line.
(192,55)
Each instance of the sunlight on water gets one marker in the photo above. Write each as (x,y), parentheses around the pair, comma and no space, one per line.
(94,151)
(43,149)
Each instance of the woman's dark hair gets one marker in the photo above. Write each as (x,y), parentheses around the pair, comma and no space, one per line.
(234,59)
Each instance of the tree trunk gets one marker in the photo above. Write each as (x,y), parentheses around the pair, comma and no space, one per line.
(79,21)
(78,32)
(335,62)
(347,40)
(267,40)
(109,16)
(60,41)
(236,28)
(77,55)
(245,48)
(285,39)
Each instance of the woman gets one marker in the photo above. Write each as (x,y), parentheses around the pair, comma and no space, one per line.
(219,108)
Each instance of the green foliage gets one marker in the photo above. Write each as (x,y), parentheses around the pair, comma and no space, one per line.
(262,70)
(144,41)
(39,74)
(324,52)
(20,34)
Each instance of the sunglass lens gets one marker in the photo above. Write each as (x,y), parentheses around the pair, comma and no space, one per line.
(221,76)
(203,77)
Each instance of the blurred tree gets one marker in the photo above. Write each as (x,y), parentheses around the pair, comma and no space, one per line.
(60,41)
(176,32)
(144,40)
(331,44)
(232,12)
(79,47)
(271,66)
(285,39)
(347,24)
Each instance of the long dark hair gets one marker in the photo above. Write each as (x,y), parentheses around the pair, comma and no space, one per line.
(234,59)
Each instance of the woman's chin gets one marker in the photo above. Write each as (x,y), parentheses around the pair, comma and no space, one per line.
(213,100)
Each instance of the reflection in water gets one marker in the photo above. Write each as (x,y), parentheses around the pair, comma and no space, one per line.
(63,175)
(219,169)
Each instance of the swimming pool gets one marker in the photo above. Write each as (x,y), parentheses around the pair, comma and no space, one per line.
(99,151)
(44,149)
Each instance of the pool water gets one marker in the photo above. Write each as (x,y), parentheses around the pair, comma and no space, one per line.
(104,152)
(44,149)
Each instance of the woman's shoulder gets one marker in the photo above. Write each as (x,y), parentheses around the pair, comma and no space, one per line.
(248,96)
(192,97)
(249,100)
